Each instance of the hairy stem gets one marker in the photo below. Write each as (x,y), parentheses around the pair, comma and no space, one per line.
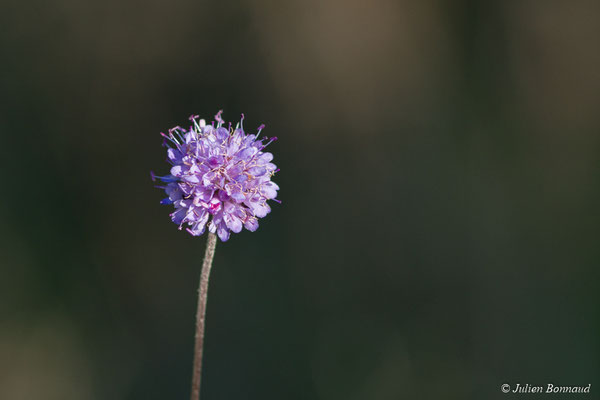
(200,313)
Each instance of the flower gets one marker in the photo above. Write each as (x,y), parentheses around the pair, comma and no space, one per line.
(220,177)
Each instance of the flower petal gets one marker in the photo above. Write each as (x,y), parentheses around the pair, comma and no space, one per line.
(222,134)
(223,233)
(269,190)
(257,171)
(233,222)
(178,215)
(264,158)
(251,224)
(174,155)
(247,153)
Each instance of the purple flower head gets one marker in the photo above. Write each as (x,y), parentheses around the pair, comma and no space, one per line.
(220,177)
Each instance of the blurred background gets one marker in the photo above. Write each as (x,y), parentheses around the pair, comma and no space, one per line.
(439,230)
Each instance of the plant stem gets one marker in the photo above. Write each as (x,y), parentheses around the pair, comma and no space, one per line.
(211,243)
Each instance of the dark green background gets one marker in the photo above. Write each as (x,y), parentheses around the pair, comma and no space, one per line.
(439,230)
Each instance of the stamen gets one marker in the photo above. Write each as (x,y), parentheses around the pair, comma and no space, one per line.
(274,138)
(177,130)
(260,128)
(219,119)
(165,178)
(171,138)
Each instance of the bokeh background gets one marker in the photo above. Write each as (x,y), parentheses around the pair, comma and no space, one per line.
(439,230)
